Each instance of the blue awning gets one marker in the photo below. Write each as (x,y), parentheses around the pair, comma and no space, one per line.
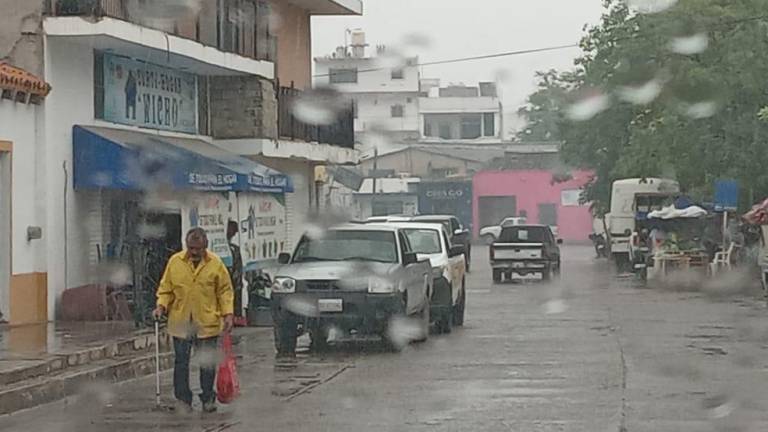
(107,158)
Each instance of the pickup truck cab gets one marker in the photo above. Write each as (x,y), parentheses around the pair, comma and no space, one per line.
(355,279)
(457,234)
(448,301)
(525,252)
(490,233)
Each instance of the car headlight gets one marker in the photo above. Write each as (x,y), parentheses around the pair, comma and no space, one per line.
(284,285)
(381,286)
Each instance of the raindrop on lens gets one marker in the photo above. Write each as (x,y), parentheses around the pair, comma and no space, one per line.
(651,6)
(588,107)
(689,45)
(642,94)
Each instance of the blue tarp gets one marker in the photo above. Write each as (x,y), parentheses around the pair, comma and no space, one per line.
(107,158)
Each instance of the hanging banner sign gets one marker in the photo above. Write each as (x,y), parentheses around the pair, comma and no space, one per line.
(262,228)
(150,96)
(212,212)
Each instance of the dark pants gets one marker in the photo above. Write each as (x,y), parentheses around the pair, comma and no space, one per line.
(183,349)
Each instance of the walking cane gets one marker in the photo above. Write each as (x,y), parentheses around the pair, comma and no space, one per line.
(157,363)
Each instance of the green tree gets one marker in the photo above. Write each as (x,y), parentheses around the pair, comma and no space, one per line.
(687,94)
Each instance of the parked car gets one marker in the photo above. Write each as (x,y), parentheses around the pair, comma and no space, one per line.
(448,301)
(525,252)
(354,278)
(489,234)
(390,218)
(458,234)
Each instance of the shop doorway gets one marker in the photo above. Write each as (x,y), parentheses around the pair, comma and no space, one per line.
(493,209)
(548,214)
(5,235)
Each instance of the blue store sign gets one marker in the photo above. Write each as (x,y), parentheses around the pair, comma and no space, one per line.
(146,95)
(726,195)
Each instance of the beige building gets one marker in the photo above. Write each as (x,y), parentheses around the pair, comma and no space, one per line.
(430,162)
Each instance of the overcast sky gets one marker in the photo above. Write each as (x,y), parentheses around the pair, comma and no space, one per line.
(464,28)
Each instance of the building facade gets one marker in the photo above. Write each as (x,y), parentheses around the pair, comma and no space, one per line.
(537,194)
(461,114)
(383,86)
(162,117)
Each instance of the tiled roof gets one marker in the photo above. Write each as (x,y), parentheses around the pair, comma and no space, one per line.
(19,80)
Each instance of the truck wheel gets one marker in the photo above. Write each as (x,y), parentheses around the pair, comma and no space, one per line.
(426,322)
(497,276)
(285,337)
(445,323)
(458,310)
(319,340)
(489,239)
(546,275)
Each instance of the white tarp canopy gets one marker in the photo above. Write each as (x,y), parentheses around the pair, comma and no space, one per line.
(671,212)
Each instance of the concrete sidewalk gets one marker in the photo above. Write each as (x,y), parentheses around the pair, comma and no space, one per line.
(46,362)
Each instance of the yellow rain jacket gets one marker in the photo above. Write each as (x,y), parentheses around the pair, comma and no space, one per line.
(196,299)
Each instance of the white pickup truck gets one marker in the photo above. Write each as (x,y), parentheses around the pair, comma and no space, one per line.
(489,234)
(354,278)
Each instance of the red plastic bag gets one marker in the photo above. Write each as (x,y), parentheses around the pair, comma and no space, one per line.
(227,383)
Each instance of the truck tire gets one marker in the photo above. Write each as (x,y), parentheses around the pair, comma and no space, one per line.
(444,324)
(319,340)
(546,275)
(285,337)
(489,239)
(458,310)
(426,323)
(497,276)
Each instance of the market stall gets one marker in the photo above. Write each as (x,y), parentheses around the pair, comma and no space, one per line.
(677,241)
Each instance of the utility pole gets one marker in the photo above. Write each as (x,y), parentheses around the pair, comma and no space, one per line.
(375,174)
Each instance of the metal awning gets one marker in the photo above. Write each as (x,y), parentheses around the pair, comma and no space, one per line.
(106,158)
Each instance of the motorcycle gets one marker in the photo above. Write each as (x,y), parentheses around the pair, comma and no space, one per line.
(601,246)
(259,311)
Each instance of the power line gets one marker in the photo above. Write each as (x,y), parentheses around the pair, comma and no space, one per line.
(536,50)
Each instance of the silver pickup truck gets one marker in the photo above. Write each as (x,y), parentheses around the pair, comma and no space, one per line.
(525,252)
(354,279)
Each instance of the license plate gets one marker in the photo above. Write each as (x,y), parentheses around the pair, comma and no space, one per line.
(330,305)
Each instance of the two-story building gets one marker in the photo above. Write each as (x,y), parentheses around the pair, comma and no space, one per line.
(384,87)
(460,114)
(162,115)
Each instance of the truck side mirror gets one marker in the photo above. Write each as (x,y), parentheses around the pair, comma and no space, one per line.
(284,258)
(456,250)
(559,241)
(410,258)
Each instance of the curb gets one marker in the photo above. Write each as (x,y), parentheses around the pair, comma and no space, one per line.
(50,389)
(58,363)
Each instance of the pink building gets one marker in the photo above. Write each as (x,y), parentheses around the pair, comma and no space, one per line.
(532,193)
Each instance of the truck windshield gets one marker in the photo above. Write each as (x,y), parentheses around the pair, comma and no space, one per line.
(524,234)
(424,241)
(377,246)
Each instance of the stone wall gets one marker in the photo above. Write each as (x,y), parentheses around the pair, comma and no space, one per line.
(243,107)
(21,34)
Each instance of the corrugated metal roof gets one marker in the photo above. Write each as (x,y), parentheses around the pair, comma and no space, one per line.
(390,185)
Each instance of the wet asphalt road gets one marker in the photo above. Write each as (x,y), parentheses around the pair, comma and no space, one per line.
(589,353)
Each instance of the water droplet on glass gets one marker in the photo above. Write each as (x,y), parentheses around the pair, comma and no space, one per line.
(392,59)
(642,94)
(319,106)
(151,231)
(403,331)
(417,40)
(555,306)
(719,406)
(301,306)
(588,107)
(689,45)
(650,6)
(700,110)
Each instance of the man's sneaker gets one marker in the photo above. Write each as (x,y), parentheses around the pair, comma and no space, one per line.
(209,407)
(182,408)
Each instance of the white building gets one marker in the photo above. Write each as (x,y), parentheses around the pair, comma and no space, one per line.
(383,86)
(145,116)
(460,114)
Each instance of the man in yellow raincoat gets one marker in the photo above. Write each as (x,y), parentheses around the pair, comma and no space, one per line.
(196,293)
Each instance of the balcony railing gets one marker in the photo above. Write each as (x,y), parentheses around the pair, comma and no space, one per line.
(239,26)
(339,133)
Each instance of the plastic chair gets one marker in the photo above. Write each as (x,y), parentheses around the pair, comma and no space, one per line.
(722,259)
